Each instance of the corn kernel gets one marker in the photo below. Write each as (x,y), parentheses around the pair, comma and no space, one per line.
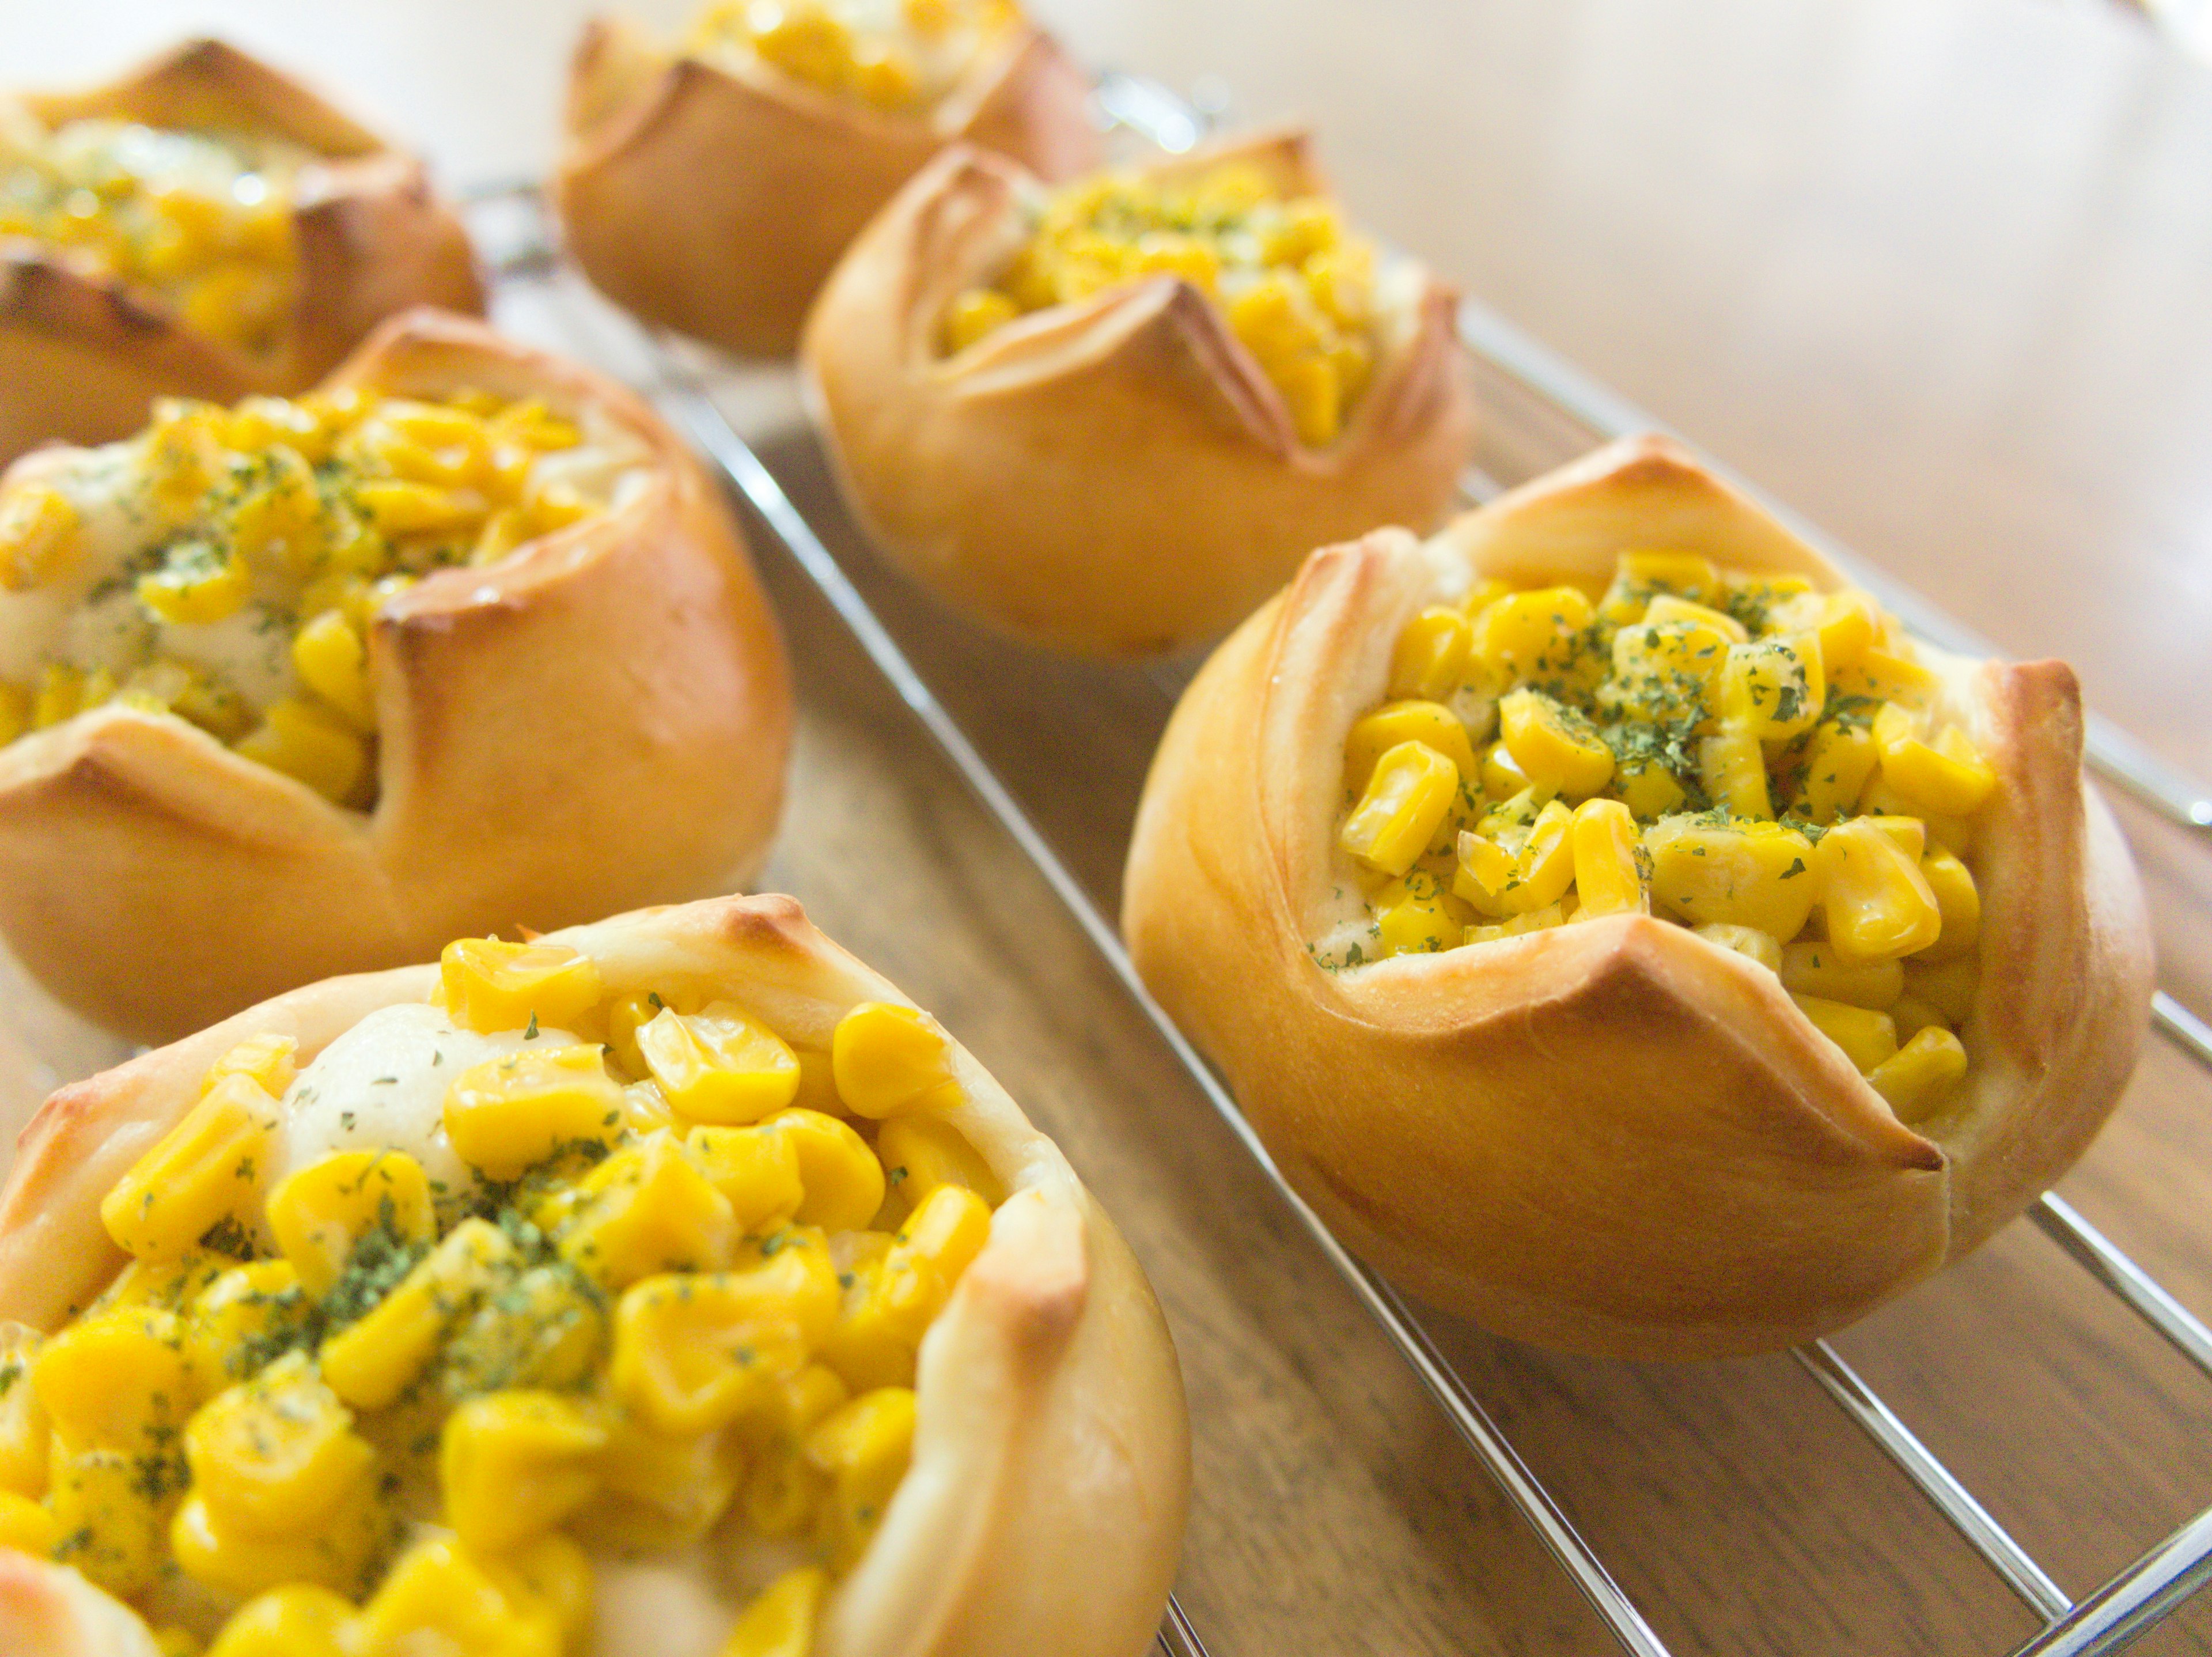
(1533,635)
(38,537)
(371,1361)
(110,1509)
(550,1571)
(1758,874)
(1431,655)
(1847,624)
(1733,768)
(890,1060)
(1746,941)
(16,711)
(781,1620)
(1887,677)
(257,1307)
(1916,1078)
(544,1330)
(492,986)
(841,1176)
(198,585)
(319,1213)
(1772,688)
(921,1153)
(1869,1038)
(24,1428)
(719,1065)
(1430,723)
(974,314)
(1404,804)
(1647,788)
(755,1167)
(304,743)
(1878,905)
(864,1447)
(438,1599)
(1815,969)
(1607,852)
(280,521)
(1483,870)
(1838,759)
(656,1491)
(270,1454)
(1417,920)
(949,1228)
(335,1552)
(658,1213)
(1555,748)
(206,1170)
(267,1060)
(1545,866)
(1960,901)
(296,1620)
(514,1464)
(1879,799)
(1640,576)
(512,1112)
(164,1285)
(25,1525)
(1502,775)
(1663,669)
(692,1353)
(396,506)
(332,661)
(1947,779)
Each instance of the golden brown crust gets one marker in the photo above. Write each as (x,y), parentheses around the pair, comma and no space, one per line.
(1045,1505)
(81,357)
(1612,1136)
(596,721)
(1116,477)
(715,199)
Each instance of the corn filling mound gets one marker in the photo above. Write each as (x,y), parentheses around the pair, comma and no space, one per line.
(1742,755)
(357,1410)
(1295,287)
(202,219)
(225,565)
(898,55)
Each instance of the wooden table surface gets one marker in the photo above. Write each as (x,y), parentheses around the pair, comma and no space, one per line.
(1933,271)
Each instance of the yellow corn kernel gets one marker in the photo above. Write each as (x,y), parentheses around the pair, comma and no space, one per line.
(948,1227)
(1916,1078)
(1647,788)
(692,1353)
(922,1154)
(492,986)
(720,1064)
(319,1213)
(1951,988)
(890,1060)
(1484,871)
(371,1361)
(890,1298)
(39,536)
(1879,799)
(165,1285)
(1545,866)
(974,313)
(1772,688)
(197,587)
(1756,874)
(24,1428)
(1533,635)
(1838,757)
(656,1491)
(1430,723)
(256,1306)
(1868,1038)
(309,745)
(514,1464)
(270,1454)
(1431,655)
(1815,969)
(502,532)
(1733,768)
(626,1015)
(280,522)
(755,1167)
(1949,778)
(842,1179)
(1639,576)
(1662,670)
(1554,747)
(1502,775)
(544,1330)
(1878,905)
(25,1525)
(510,1113)
(398,506)
(1607,859)
(781,1620)
(60,696)
(1958,899)
(296,1620)
(864,1447)
(645,1108)
(437,1598)
(1167,252)
(111,1509)
(259,424)
(1847,624)
(1887,677)
(334,1551)
(782,1493)
(555,505)
(1417,919)
(182,454)
(206,1170)
(655,1213)
(1746,941)
(17,707)
(1404,804)
(268,1060)
(550,1571)
(172,1640)
(333,662)
(1670,609)
(1909,833)
(535,426)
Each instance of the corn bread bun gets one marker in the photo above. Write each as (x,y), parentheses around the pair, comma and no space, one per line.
(713,197)
(596,719)
(1043,1507)
(1117,475)
(81,353)
(1612,1135)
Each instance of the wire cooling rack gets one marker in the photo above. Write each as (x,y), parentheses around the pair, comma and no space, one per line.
(514,231)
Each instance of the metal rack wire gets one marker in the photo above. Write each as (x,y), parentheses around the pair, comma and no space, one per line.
(2117,1613)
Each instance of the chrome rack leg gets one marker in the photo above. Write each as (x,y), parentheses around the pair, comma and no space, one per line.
(1177,1637)
(2134,1602)
(2144,1295)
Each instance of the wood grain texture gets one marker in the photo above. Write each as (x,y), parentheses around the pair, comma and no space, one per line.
(1933,271)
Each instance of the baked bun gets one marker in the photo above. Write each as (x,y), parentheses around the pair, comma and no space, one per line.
(711,189)
(290,692)
(816,1309)
(1502,1077)
(1110,421)
(257,235)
